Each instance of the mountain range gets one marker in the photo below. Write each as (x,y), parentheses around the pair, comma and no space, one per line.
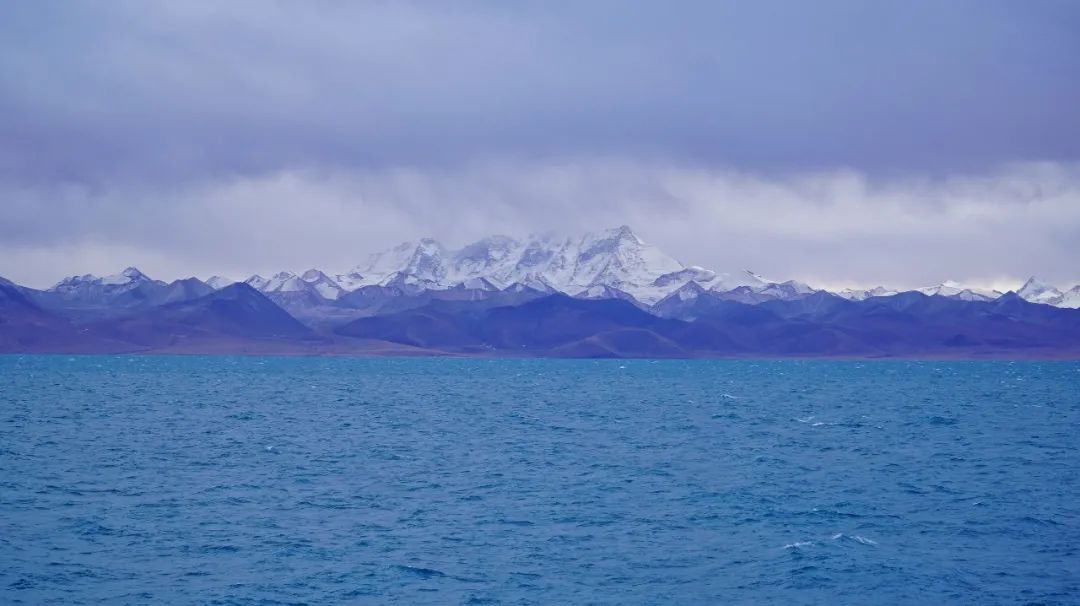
(605,294)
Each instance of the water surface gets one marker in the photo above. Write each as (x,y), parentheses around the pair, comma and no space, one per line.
(242,480)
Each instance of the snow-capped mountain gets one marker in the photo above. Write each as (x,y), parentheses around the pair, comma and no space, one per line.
(126,280)
(1033,290)
(855,294)
(956,290)
(257,282)
(949,288)
(613,263)
(615,259)
(284,281)
(323,284)
(219,282)
(130,289)
(1037,291)
(1070,299)
(313,282)
(298,294)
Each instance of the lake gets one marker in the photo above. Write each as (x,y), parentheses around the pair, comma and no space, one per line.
(278,480)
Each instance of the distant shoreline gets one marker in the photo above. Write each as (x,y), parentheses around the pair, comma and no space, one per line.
(435,354)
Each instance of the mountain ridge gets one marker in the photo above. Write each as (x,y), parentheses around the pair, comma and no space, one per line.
(614,261)
(607,294)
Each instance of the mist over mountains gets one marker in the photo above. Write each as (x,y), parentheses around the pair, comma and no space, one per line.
(603,294)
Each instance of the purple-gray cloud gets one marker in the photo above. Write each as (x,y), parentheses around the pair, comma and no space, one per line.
(830,228)
(840,141)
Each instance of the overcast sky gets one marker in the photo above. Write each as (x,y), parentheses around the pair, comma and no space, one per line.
(840,143)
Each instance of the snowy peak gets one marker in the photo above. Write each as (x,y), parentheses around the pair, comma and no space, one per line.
(350,281)
(685,276)
(688,291)
(322,284)
(1038,291)
(726,282)
(486,252)
(127,276)
(125,280)
(427,261)
(618,257)
(855,294)
(783,290)
(609,261)
(313,275)
(257,282)
(381,264)
(1070,299)
(957,290)
(480,284)
(1034,290)
(313,282)
(408,262)
(492,259)
(284,281)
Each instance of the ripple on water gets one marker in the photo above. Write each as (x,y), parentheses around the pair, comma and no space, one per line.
(290,480)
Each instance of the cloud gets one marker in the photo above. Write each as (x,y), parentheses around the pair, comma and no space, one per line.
(832,228)
(167,91)
(836,142)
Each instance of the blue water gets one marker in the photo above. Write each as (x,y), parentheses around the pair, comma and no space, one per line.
(234,480)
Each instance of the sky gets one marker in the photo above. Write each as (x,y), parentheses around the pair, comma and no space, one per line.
(842,143)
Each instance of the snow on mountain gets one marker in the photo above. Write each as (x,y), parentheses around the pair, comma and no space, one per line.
(612,263)
(491,259)
(219,282)
(125,290)
(257,282)
(128,276)
(784,290)
(298,294)
(350,281)
(1033,291)
(855,294)
(285,281)
(726,282)
(948,288)
(1037,291)
(685,276)
(1070,299)
(614,258)
(480,284)
(127,279)
(620,259)
(603,291)
(686,292)
(956,290)
(313,283)
(969,294)
(594,264)
(323,284)
(420,262)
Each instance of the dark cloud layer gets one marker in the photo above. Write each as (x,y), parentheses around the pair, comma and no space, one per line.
(782,135)
(175,89)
